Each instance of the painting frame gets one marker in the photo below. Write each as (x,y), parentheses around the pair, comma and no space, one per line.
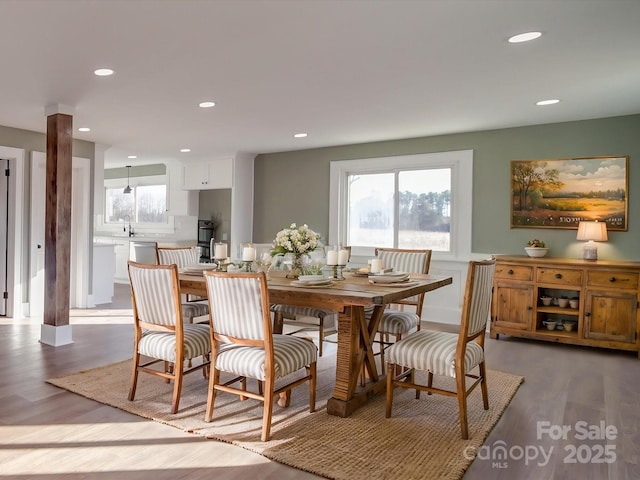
(560,192)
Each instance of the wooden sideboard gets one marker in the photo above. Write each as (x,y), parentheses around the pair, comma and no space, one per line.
(607,294)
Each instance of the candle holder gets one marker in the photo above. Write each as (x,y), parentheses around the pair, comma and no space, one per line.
(247,266)
(219,255)
(337,271)
(248,256)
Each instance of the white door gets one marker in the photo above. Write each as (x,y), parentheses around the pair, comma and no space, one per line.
(79,261)
(4,230)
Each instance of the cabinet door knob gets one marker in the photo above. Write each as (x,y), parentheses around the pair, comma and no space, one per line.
(529,307)
(587,314)
(612,279)
(558,275)
(510,272)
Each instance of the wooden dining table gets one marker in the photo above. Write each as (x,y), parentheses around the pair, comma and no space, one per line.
(348,298)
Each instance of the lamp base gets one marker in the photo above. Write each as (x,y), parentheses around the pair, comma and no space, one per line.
(590,251)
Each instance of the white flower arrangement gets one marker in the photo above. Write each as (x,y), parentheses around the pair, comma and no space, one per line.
(296,240)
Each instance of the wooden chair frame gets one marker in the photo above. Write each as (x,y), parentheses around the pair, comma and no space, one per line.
(170,372)
(385,341)
(267,390)
(406,379)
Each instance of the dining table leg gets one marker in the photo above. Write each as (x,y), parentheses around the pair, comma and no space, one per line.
(355,350)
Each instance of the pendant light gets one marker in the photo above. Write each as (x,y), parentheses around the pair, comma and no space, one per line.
(127,189)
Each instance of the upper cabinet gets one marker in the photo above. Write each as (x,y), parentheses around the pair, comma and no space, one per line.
(208,175)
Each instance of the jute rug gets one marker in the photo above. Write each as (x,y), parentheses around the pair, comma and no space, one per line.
(420,440)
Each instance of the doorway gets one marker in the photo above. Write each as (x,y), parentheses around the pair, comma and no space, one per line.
(4,235)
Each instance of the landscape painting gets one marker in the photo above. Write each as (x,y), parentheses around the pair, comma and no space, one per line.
(559,193)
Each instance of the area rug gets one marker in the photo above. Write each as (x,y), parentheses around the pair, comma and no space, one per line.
(420,440)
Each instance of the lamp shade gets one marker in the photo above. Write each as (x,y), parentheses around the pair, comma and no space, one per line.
(596,231)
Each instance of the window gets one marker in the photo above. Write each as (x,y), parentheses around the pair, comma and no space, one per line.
(413,201)
(145,204)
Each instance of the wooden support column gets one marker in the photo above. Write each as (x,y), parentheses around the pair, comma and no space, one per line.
(56,329)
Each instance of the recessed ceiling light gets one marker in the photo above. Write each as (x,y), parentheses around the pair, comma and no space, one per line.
(524,37)
(132,156)
(548,102)
(84,129)
(207,104)
(185,150)
(103,72)
(300,135)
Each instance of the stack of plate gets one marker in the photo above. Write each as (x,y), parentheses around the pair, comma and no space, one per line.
(198,268)
(312,281)
(391,277)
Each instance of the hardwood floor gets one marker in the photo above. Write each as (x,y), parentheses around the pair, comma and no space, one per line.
(48,433)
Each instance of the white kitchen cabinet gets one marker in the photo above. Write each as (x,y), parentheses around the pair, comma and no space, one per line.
(179,200)
(122,257)
(104,269)
(208,175)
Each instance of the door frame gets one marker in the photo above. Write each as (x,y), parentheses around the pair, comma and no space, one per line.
(15,306)
(80,235)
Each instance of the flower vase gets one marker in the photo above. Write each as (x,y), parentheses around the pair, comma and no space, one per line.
(297,265)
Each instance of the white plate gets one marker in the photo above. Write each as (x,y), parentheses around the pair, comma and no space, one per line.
(389,278)
(311,278)
(406,283)
(319,284)
(199,267)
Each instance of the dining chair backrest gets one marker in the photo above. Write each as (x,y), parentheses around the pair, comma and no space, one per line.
(155,293)
(181,256)
(239,306)
(477,299)
(410,261)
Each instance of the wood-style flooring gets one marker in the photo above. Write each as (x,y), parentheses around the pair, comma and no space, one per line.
(47,433)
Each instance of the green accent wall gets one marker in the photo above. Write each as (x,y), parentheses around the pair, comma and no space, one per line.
(136,171)
(294,186)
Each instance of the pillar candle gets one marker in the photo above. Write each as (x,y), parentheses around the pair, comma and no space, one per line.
(248,254)
(343,257)
(376,265)
(332,257)
(220,251)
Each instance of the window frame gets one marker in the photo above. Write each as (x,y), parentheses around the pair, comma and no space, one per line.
(134,182)
(461,164)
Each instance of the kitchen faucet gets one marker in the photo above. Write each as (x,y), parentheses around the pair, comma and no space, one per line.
(127,218)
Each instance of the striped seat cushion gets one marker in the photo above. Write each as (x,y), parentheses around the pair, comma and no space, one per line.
(290,311)
(163,345)
(396,322)
(393,321)
(434,352)
(194,309)
(290,354)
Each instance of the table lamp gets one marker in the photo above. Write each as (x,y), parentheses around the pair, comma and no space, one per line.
(592,232)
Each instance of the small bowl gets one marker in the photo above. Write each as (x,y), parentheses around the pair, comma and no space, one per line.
(563,302)
(551,325)
(546,301)
(574,303)
(536,251)
(568,326)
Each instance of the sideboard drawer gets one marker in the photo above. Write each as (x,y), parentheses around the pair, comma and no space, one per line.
(613,279)
(514,272)
(559,275)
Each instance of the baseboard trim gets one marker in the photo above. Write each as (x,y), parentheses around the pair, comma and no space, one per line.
(55,336)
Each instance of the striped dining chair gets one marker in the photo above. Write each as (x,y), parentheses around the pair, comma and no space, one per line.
(395,320)
(447,354)
(192,307)
(159,331)
(244,346)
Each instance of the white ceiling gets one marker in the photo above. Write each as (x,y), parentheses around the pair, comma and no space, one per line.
(343,71)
